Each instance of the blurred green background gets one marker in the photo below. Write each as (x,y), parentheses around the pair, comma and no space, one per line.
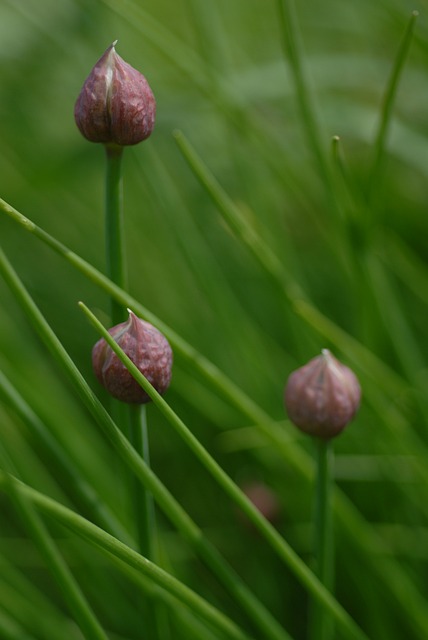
(220,76)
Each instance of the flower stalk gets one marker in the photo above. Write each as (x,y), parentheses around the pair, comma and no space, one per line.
(322,622)
(116,107)
(321,398)
(114,232)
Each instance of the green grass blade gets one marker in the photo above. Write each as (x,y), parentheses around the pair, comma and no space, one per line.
(355,351)
(293,49)
(111,545)
(388,105)
(73,595)
(81,492)
(24,601)
(280,546)
(253,607)
(295,456)
(10,629)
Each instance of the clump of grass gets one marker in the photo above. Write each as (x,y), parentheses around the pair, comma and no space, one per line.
(250,241)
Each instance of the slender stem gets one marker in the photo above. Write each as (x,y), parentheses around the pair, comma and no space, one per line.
(115,252)
(145,520)
(144,506)
(322,628)
(135,417)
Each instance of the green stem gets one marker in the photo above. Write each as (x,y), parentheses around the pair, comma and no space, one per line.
(156,618)
(115,252)
(144,506)
(322,622)
(135,417)
(116,271)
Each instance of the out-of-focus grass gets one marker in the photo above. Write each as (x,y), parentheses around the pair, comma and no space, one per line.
(219,75)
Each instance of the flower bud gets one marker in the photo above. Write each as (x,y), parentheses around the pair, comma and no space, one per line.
(264,499)
(323,396)
(148,349)
(116,104)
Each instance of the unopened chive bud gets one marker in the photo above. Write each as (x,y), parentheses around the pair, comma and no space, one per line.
(116,105)
(148,349)
(323,396)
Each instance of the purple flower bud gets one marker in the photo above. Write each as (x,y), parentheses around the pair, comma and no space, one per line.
(148,349)
(322,397)
(264,499)
(116,104)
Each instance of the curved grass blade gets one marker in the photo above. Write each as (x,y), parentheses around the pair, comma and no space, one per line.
(172,509)
(107,543)
(284,551)
(293,50)
(81,492)
(363,537)
(73,595)
(388,105)
(363,358)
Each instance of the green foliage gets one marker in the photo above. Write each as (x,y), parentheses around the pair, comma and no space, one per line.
(277,209)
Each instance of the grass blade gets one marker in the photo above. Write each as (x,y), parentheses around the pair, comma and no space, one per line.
(284,551)
(191,532)
(111,545)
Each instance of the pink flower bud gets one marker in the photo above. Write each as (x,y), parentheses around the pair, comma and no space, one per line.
(148,349)
(264,499)
(116,104)
(322,397)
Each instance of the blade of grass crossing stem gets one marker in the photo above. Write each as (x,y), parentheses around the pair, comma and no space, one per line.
(271,535)
(107,543)
(373,366)
(135,417)
(392,574)
(172,509)
(73,596)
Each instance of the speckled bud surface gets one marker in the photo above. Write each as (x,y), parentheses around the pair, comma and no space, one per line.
(116,105)
(148,349)
(323,396)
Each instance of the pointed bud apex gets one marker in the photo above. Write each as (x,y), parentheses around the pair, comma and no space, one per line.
(323,396)
(148,349)
(116,104)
